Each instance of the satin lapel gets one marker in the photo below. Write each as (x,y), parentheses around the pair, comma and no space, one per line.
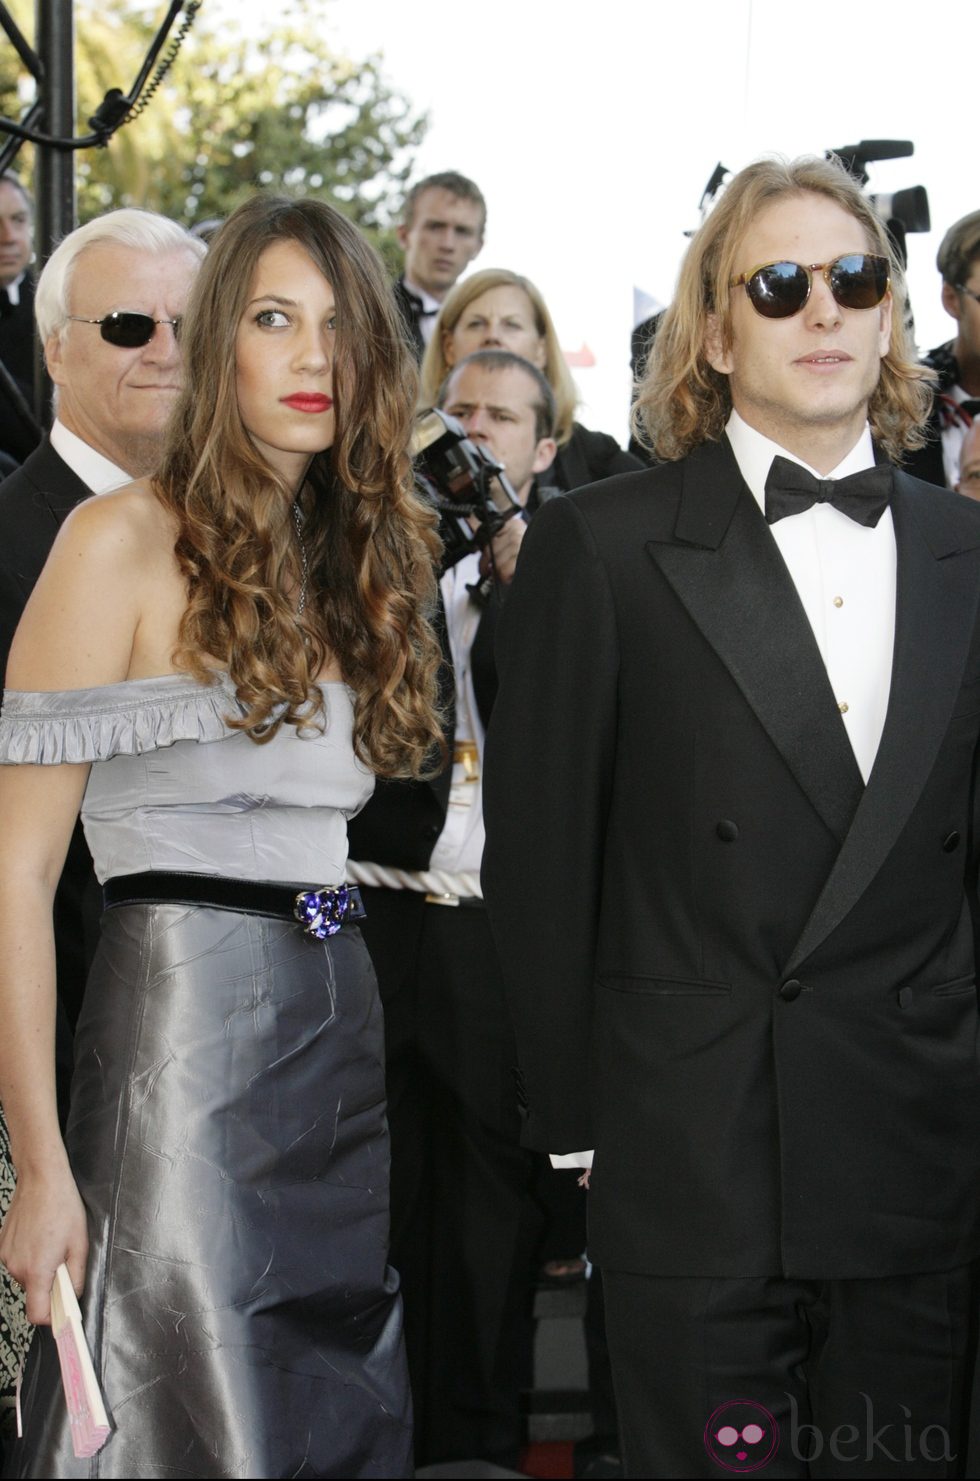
(725,567)
(937,590)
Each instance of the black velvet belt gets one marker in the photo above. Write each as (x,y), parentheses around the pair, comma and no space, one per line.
(320,910)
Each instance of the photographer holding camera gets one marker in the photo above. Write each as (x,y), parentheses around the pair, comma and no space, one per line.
(956,363)
(463,1223)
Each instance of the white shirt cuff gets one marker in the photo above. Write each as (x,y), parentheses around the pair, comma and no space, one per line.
(571,1159)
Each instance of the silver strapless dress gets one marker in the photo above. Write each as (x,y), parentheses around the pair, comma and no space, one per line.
(227,1125)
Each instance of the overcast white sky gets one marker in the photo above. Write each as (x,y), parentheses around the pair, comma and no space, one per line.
(592,127)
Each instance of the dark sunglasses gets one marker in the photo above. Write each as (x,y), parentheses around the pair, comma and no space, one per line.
(777,290)
(128,330)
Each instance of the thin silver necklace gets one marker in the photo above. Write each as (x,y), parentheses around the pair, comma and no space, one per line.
(305,581)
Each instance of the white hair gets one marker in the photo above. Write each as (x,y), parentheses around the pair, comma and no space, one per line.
(143,230)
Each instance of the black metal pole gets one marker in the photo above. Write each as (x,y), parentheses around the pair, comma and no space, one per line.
(55,168)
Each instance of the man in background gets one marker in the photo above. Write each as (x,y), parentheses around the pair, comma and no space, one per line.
(956,401)
(969,480)
(108,305)
(463,1221)
(19,433)
(445,220)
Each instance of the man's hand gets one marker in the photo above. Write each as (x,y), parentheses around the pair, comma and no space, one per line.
(504,546)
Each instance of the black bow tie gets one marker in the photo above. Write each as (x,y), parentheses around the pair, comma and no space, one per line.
(791,489)
(418,308)
(971,406)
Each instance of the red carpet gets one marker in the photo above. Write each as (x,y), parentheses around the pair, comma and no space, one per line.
(553,1460)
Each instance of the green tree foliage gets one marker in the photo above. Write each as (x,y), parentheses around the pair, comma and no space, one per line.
(274,108)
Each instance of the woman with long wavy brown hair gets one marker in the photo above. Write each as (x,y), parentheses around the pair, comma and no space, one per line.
(249,644)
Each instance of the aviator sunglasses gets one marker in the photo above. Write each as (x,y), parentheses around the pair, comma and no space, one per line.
(126,329)
(777,290)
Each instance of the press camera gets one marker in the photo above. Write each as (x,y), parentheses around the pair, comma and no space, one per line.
(464,482)
(901,211)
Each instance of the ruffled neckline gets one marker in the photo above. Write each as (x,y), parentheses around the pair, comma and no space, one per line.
(127,718)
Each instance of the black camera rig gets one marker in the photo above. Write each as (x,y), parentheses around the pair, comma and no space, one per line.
(901,211)
(464,482)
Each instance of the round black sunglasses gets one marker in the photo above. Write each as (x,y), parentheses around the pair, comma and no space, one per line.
(777,290)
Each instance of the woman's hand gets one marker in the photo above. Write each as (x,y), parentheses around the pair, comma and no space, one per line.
(45,1224)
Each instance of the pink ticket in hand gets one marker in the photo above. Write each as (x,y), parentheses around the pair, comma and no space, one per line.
(89,1422)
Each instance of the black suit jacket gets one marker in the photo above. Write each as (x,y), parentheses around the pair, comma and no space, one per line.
(927,461)
(19,434)
(743,977)
(34,502)
(409,307)
(587,457)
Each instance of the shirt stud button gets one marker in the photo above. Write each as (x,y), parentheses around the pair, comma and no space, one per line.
(843,707)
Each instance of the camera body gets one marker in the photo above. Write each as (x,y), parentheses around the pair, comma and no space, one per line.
(901,211)
(464,482)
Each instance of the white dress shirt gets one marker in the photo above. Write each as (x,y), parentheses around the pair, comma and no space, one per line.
(844,574)
(92,468)
(13,290)
(952,437)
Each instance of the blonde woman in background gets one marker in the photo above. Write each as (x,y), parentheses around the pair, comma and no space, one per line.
(498,309)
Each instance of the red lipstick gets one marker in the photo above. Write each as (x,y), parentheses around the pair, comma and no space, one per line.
(309,401)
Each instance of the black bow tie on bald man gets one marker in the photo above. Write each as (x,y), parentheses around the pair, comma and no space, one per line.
(791,489)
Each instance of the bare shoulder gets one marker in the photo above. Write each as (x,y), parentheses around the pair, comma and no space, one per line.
(111,562)
(127,528)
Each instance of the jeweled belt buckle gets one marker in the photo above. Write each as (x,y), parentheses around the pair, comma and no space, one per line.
(321,913)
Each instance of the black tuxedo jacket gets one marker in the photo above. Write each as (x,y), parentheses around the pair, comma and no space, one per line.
(743,977)
(34,502)
(18,436)
(409,307)
(927,461)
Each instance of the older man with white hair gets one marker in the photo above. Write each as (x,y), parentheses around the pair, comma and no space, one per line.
(108,308)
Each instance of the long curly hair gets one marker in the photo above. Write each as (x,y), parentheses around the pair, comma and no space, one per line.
(435,366)
(371,544)
(683,401)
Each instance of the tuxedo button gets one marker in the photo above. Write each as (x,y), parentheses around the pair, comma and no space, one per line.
(951,843)
(432,830)
(727,830)
(790,991)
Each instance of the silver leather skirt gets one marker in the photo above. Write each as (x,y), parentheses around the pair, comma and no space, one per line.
(228,1136)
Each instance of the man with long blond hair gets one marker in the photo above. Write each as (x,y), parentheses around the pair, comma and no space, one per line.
(731,864)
